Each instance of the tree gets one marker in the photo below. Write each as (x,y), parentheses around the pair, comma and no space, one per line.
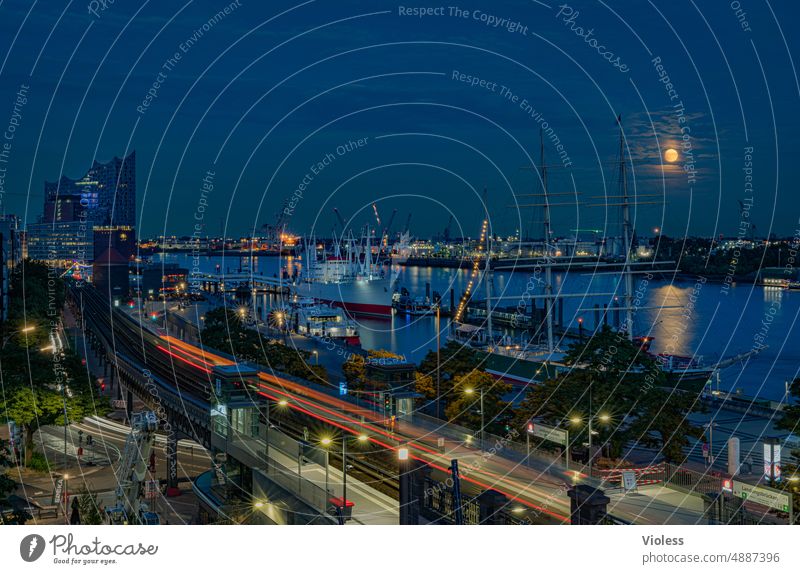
(38,385)
(7,485)
(36,394)
(624,392)
(425,385)
(454,358)
(224,331)
(465,401)
(354,368)
(89,507)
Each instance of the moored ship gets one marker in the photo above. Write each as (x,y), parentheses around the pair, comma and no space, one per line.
(314,319)
(351,278)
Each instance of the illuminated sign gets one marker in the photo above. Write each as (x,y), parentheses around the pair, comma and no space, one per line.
(546,432)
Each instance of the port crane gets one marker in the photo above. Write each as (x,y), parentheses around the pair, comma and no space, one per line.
(132,471)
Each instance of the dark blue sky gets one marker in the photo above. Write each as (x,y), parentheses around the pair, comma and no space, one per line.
(274,87)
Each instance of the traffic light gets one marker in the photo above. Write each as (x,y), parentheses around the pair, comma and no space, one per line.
(387,403)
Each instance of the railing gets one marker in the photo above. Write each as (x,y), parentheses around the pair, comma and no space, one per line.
(690,481)
(315,496)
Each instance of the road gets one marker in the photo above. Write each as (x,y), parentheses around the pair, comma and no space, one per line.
(541,487)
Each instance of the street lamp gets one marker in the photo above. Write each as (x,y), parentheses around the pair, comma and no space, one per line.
(316,356)
(710,428)
(438,366)
(326,441)
(26,329)
(471,391)
(603,418)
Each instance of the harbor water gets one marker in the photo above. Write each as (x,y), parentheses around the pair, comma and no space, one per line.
(694,318)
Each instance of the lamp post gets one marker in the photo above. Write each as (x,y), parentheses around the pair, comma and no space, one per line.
(326,442)
(710,428)
(438,365)
(471,391)
(8,337)
(316,356)
(604,418)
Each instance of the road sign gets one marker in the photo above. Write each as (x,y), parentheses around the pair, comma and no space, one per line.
(58,490)
(705,450)
(628,480)
(545,432)
(151,489)
(342,388)
(762,495)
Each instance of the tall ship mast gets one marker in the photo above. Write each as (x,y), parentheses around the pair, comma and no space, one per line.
(525,361)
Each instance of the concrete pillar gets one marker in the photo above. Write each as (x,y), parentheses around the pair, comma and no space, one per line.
(410,491)
(587,505)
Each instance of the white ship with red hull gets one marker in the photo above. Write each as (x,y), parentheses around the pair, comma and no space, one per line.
(351,278)
(371,298)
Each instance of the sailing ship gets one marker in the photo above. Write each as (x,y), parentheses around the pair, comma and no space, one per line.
(526,361)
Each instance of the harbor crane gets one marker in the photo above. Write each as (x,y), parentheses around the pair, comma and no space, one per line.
(132,472)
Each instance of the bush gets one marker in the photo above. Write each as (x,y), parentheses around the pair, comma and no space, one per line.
(38,462)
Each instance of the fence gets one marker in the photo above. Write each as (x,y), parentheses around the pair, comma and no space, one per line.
(690,481)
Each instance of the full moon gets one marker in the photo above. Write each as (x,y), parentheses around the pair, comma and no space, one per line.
(671,155)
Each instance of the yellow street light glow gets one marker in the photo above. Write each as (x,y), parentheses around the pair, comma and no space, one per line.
(575,420)
(605,418)
(402,454)
(363,438)
(28,329)
(47,348)
(326,441)
(283,402)
(469,391)
(259,504)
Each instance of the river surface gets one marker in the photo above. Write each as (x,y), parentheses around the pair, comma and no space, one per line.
(689,318)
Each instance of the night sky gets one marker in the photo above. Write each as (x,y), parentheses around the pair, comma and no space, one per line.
(262,94)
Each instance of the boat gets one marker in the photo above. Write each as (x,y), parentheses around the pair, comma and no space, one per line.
(416,306)
(529,361)
(525,364)
(312,319)
(350,277)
